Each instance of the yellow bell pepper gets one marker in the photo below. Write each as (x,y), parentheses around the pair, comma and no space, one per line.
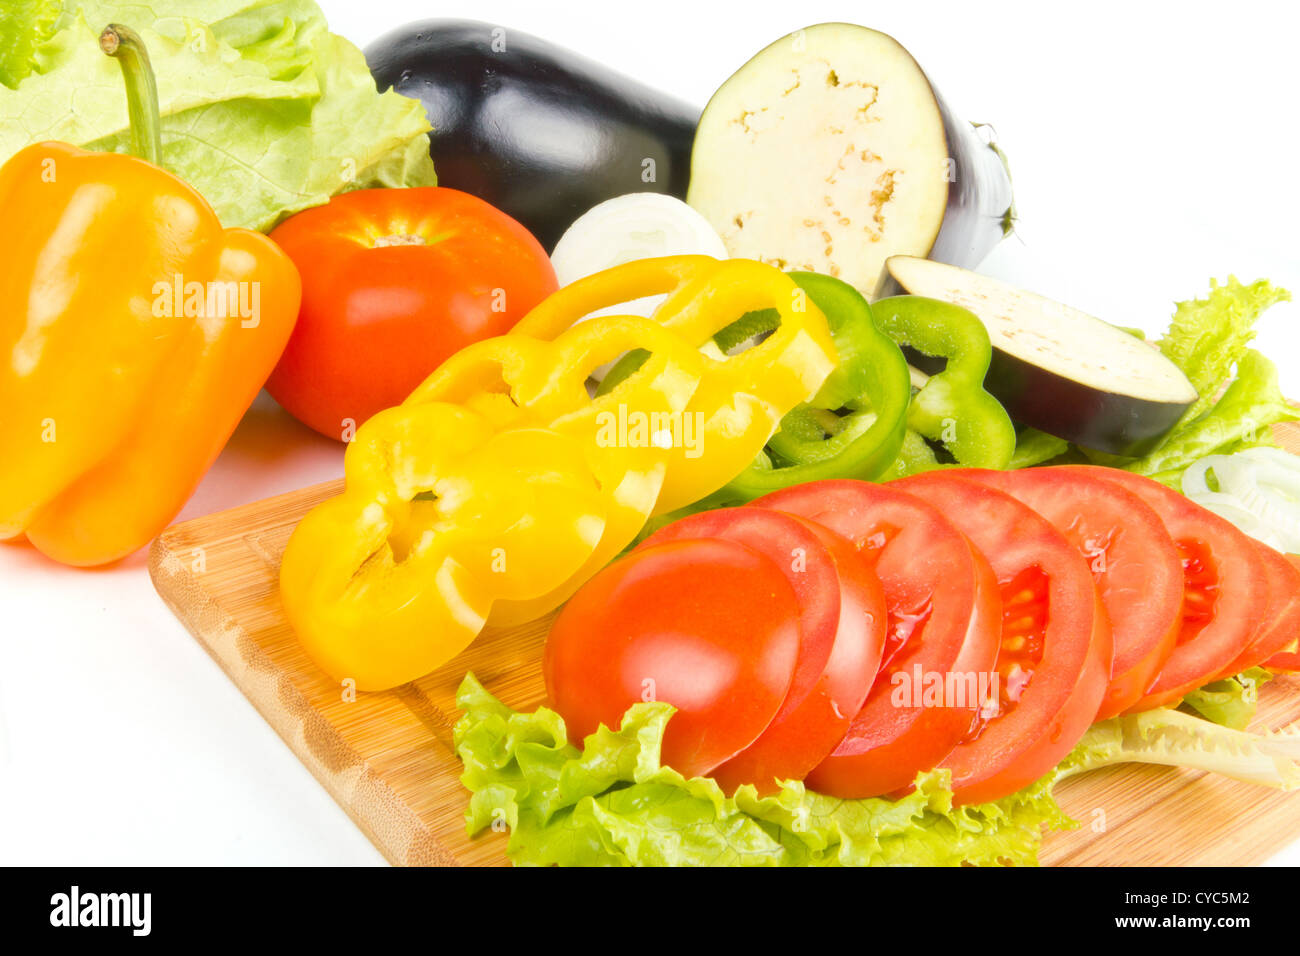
(741,399)
(135,330)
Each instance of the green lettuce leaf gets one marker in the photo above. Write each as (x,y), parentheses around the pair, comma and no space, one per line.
(1208,337)
(612,803)
(1034,447)
(264,111)
(24,25)
(1177,739)
(1239,399)
(1229,702)
(1239,419)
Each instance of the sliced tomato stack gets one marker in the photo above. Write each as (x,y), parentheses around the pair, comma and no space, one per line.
(1056,650)
(944,617)
(1224,586)
(1136,567)
(1279,622)
(854,635)
(711,627)
(1288,636)
(841,636)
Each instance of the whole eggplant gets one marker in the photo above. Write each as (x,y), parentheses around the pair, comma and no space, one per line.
(536,130)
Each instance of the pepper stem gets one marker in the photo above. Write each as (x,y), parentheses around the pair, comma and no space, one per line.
(124,45)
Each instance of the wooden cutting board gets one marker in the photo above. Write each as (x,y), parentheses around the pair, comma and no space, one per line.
(387,757)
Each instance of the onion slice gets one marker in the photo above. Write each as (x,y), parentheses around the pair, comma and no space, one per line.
(628,228)
(1259,493)
(625,229)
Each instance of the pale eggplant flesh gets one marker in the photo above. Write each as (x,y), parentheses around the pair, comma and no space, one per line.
(1054,367)
(830,150)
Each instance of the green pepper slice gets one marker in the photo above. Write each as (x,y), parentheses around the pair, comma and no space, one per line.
(951,407)
(854,426)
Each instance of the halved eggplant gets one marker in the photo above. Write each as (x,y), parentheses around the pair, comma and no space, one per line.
(536,130)
(1058,369)
(830,151)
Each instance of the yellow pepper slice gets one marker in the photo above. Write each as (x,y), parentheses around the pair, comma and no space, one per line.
(442,515)
(741,399)
(626,435)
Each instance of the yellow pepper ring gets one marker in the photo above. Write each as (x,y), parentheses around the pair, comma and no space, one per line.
(628,435)
(623,283)
(442,516)
(740,399)
(487,366)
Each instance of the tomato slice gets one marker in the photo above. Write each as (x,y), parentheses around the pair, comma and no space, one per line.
(1056,648)
(1279,624)
(1288,659)
(1136,567)
(842,634)
(1224,588)
(1286,662)
(943,615)
(709,626)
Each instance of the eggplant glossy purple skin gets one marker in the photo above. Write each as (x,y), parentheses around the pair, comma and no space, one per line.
(537,131)
(1086,415)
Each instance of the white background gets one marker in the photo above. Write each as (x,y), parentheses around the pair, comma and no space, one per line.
(1153,146)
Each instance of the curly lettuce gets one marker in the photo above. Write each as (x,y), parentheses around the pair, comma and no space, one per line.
(25,25)
(1239,394)
(1208,337)
(1034,447)
(1240,419)
(1230,702)
(1177,739)
(611,803)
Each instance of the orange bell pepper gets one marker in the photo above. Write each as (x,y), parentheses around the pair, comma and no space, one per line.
(135,333)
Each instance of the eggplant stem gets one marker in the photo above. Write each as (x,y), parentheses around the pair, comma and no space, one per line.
(125,46)
(1010,216)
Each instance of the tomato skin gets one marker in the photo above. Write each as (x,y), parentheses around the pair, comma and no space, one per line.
(1136,567)
(1239,588)
(709,626)
(1279,623)
(933,581)
(376,319)
(1288,659)
(1067,685)
(842,634)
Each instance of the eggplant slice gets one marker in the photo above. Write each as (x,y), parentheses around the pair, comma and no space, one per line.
(830,151)
(1058,369)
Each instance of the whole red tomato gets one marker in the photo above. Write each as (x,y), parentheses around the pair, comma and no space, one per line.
(395,281)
